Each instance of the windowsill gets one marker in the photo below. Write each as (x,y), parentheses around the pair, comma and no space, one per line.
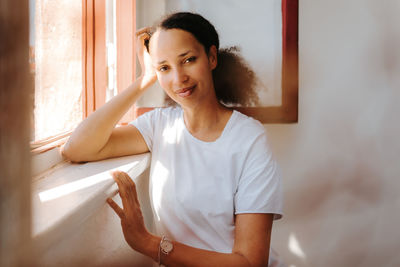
(44,145)
(67,194)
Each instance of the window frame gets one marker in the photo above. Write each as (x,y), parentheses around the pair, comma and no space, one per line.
(94,67)
(94,51)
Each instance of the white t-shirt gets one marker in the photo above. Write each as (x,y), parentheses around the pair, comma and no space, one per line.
(197,187)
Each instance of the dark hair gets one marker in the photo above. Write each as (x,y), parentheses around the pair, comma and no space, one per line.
(234,80)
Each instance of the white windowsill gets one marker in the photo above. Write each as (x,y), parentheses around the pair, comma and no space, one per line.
(67,194)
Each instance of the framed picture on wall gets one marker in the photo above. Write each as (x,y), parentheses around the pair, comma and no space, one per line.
(266,32)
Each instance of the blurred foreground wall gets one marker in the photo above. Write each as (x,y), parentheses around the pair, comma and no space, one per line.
(341,162)
(15,105)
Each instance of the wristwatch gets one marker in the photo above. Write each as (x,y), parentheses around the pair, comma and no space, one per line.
(166,247)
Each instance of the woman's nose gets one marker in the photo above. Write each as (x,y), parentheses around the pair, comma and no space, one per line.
(180,76)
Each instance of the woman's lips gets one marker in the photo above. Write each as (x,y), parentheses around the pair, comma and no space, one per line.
(185,92)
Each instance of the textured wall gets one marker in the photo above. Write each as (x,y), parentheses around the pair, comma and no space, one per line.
(341,161)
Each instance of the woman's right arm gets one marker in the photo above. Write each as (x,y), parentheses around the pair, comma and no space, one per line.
(96,137)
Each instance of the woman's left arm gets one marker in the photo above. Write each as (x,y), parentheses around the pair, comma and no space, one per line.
(251,245)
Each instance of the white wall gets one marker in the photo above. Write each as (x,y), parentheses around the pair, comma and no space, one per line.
(341,162)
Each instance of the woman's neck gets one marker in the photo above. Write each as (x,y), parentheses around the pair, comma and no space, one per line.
(206,121)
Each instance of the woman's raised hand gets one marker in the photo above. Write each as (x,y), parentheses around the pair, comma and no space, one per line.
(132,222)
(148,73)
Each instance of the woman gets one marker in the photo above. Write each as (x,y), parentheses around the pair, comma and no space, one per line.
(214,187)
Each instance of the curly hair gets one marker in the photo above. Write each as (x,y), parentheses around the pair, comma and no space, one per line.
(234,80)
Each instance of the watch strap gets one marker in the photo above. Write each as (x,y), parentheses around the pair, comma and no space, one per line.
(160,249)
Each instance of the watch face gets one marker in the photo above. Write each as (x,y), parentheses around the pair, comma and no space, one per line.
(166,246)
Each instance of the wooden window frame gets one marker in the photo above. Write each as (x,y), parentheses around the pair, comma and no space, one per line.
(94,67)
(94,52)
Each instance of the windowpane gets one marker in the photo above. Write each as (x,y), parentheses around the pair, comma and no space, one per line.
(56,49)
(111,46)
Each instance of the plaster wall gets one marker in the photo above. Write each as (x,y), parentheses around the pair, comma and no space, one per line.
(341,160)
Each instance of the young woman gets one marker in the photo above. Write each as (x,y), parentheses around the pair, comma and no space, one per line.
(214,186)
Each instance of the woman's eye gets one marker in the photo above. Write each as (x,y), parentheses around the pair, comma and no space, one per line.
(191,59)
(163,68)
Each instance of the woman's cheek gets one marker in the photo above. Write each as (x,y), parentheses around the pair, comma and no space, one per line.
(161,79)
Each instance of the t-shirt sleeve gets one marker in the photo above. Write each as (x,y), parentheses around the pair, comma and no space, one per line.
(146,126)
(259,188)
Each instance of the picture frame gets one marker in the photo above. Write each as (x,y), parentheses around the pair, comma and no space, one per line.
(287,112)
(287,109)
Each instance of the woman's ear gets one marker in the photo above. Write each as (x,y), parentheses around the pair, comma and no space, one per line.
(212,57)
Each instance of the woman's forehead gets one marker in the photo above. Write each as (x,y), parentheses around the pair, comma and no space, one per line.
(172,43)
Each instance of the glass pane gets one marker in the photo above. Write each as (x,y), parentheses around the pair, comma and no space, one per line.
(111,46)
(56,46)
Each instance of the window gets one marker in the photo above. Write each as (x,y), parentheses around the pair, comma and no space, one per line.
(56,60)
(81,55)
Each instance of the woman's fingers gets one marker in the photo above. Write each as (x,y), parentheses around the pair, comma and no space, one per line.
(144,30)
(127,190)
(142,38)
(142,47)
(122,188)
(132,221)
(116,208)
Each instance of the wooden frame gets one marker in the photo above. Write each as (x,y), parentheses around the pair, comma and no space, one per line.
(94,55)
(94,51)
(288,111)
(126,49)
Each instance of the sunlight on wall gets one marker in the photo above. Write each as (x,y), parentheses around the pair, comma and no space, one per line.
(72,187)
(294,247)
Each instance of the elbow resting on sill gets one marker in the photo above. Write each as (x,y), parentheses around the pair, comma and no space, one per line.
(76,154)
(72,154)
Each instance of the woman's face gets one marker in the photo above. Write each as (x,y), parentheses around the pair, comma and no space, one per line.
(183,68)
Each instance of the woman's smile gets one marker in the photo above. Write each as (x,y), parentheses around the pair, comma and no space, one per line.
(185,92)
